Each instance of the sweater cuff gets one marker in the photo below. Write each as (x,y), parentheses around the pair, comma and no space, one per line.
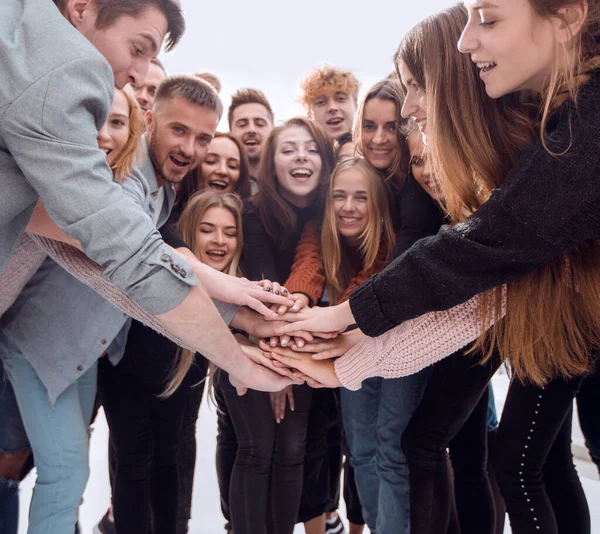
(367,311)
(357,365)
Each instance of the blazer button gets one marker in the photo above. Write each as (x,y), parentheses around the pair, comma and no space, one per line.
(103,342)
(154,193)
(182,273)
(175,268)
(80,367)
(166,258)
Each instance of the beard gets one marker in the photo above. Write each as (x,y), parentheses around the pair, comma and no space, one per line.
(153,152)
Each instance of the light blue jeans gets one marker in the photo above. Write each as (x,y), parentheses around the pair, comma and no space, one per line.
(59,437)
(375,418)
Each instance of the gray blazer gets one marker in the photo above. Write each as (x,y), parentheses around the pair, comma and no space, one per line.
(60,325)
(55,95)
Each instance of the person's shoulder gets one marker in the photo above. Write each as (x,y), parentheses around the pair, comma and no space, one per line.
(42,41)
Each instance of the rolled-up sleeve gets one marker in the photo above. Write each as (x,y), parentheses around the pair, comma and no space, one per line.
(51,131)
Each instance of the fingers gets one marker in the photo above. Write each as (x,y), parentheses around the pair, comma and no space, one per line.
(259,307)
(241,390)
(298,342)
(281,407)
(294,325)
(325,355)
(284,341)
(290,397)
(271,298)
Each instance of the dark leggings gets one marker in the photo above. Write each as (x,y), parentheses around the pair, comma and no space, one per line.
(455,389)
(534,463)
(145,435)
(588,408)
(325,447)
(266,482)
(227,447)
(468,454)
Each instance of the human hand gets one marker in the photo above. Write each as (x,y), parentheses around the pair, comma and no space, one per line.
(260,373)
(324,349)
(254,324)
(238,291)
(320,372)
(301,302)
(333,319)
(278,402)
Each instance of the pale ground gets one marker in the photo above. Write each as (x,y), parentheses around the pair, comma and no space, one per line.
(206,513)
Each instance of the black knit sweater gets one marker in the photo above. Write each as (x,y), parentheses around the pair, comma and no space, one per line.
(545,208)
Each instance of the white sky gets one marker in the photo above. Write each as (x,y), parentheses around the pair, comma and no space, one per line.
(271,44)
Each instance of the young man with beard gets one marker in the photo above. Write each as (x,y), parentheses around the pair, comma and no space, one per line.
(330,96)
(251,120)
(63,60)
(146,92)
(179,129)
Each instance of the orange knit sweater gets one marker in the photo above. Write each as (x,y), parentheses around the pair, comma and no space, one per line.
(307,275)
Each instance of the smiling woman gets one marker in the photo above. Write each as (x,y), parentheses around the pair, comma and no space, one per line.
(297,163)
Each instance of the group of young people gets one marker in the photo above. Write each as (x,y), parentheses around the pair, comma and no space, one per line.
(343,284)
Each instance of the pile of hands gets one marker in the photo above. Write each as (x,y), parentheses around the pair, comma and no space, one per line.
(298,343)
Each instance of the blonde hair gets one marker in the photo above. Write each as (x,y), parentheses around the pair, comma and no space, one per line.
(187,228)
(338,271)
(123,163)
(552,320)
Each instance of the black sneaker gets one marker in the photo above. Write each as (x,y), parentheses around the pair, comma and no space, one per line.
(106,526)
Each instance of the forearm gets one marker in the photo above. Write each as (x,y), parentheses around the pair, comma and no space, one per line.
(41,224)
(439,272)
(197,322)
(412,346)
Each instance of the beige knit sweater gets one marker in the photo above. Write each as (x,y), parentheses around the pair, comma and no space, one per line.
(411,346)
(29,256)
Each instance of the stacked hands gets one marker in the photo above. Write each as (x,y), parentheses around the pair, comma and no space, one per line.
(298,342)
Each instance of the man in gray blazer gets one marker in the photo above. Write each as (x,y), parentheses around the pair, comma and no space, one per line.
(59,70)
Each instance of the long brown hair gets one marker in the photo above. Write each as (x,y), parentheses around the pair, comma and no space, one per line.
(338,271)
(187,228)
(277,217)
(391,91)
(191,183)
(552,318)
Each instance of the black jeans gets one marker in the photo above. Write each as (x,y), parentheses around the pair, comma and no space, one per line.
(534,463)
(469,457)
(266,482)
(227,447)
(186,459)
(146,432)
(588,408)
(455,389)
(325,448)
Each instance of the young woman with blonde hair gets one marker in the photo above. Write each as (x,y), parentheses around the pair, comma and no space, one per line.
(380,140)
(296,166)
(533,226)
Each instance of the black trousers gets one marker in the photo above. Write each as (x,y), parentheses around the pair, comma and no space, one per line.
(534,462)
(588,408)
(455,390)
(325,448)
(266,480)
(147,433)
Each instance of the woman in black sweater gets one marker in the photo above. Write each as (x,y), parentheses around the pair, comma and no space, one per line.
(544,211)
(266,482)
